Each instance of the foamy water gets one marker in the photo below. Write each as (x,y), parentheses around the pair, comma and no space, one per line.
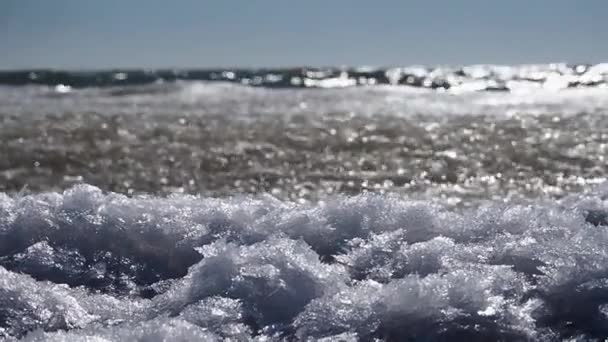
(413,203)
(88,264)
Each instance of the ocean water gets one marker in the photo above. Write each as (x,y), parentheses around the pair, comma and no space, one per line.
(344,204)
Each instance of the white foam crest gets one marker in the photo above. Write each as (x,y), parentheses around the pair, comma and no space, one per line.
(162,329)
(27,304)
(526,96)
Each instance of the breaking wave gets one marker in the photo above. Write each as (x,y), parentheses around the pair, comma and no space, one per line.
(459,79)
(87,264)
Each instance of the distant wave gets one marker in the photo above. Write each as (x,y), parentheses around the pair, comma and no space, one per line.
(84,263)
(467,78)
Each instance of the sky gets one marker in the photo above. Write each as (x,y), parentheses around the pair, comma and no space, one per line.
(81,34)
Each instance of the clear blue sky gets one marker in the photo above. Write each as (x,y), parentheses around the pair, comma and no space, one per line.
(199,33)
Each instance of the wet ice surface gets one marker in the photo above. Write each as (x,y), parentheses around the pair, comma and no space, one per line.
(221,139)
(90,264)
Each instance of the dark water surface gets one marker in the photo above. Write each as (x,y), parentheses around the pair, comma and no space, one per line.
(218,139)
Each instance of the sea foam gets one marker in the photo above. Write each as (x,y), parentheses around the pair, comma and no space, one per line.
(88,265)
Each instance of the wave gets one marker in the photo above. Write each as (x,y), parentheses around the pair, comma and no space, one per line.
(456,79)
(84,263)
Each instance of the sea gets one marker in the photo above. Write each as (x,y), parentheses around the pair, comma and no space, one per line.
(418,203)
